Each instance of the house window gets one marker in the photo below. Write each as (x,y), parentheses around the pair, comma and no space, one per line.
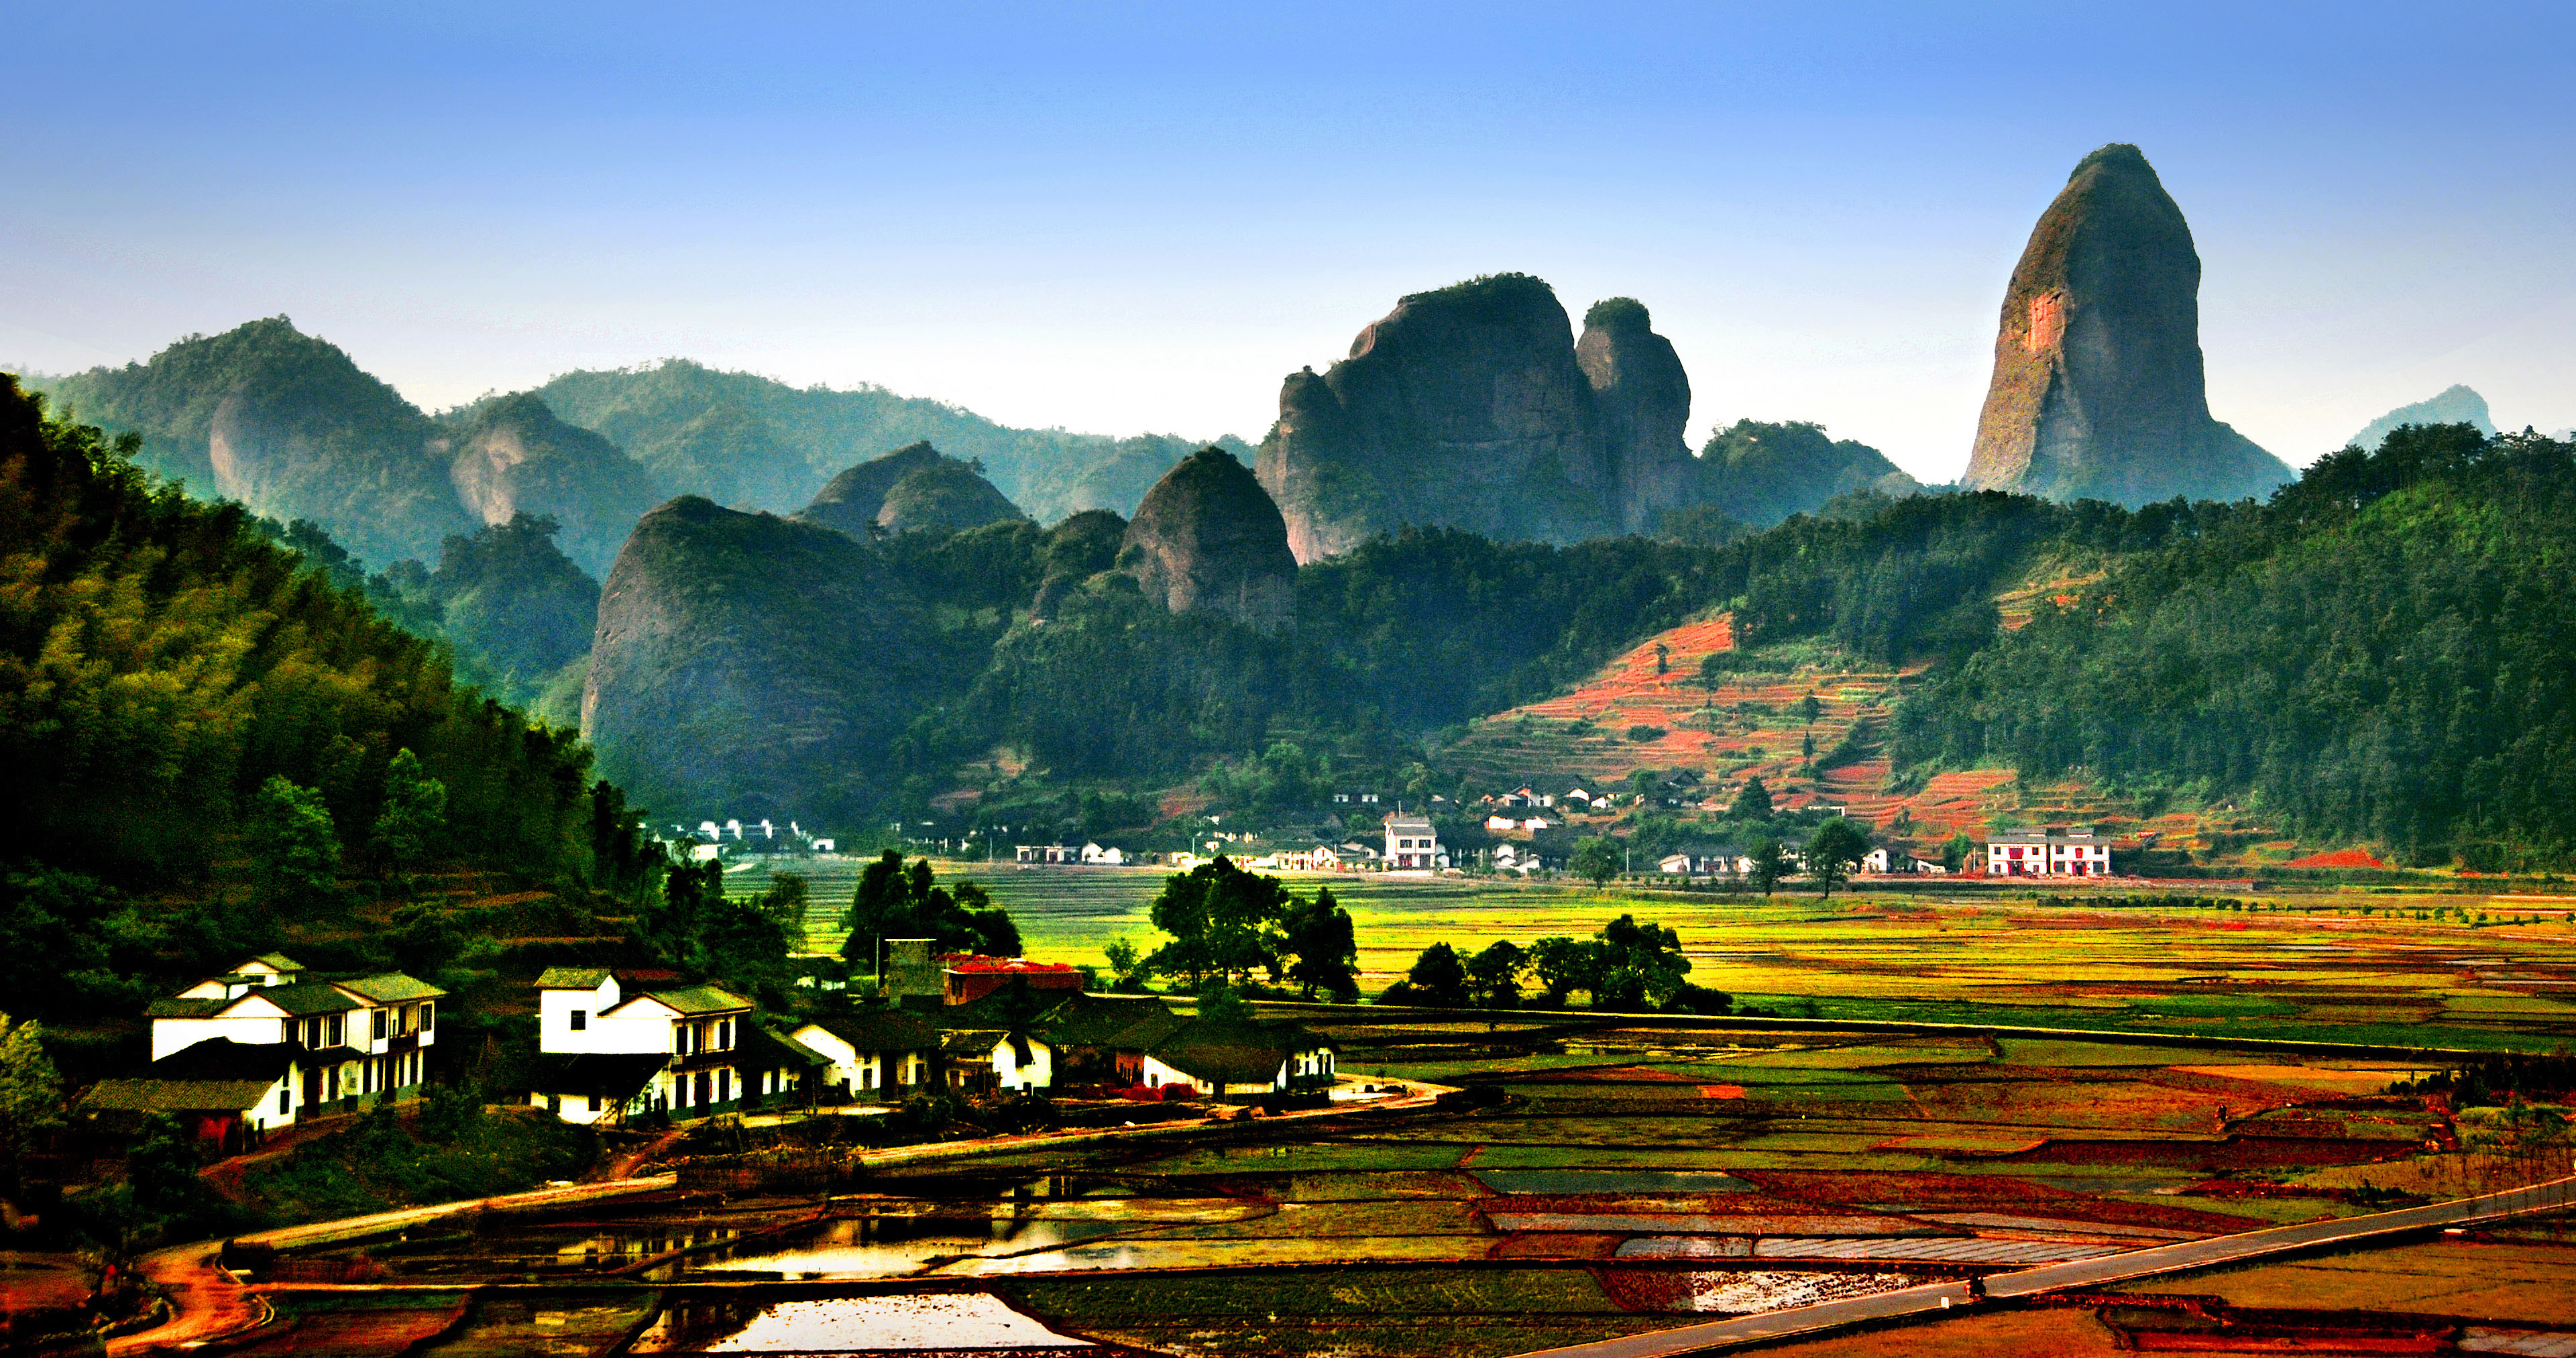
(428,1015)
(339,1029)
(580,1020)
(286,1098)
(378,1024)
(680,1037)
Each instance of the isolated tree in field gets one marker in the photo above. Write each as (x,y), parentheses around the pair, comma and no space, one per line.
(414,816)
(1954,853)
(1128,969)
(1225,923)
(1663,659)
(294,845)
(1770,864)
(895,900)
(1639,963)
(1810,708)
(783,902)
(1835,853)
(1596,859)
(1753,803)
(1318,935)
(1494,975)
(1438,976)
(1565,965)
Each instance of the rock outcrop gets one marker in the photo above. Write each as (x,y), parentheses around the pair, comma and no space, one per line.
(1209,539)
(948,495)
(849,503)
(1643,399)
(745,660)
(2098,385)
(516,458)
(2455,405)
(1757,474)
(1469,407)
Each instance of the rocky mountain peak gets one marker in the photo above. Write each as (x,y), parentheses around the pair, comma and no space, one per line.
(1469,406)
(1209,538)
(2099,390)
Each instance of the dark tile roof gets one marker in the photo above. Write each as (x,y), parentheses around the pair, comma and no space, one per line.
(700,999)
(307,998)
(278,960)
(176,1007)
(1233,1053)
(572,978)
(614,1076)
(1106,1021)
(392,987)
(216,1075)
(881,1030)
(762,1049)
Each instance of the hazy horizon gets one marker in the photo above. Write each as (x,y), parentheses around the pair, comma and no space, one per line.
(1142,221)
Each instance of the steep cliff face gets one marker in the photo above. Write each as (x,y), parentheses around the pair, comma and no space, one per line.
(516,458)
(2098,387)
(288,425)
(1208,538)
(2455,405)
(1643,400)
(1467,407)
(746,660)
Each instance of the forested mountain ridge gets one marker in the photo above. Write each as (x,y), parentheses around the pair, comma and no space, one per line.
(285,423)
(160,661)
(753,442)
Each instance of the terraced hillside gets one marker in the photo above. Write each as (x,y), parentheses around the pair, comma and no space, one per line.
(1649,712)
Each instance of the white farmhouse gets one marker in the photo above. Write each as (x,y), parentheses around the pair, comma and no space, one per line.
(875,1054)
(1412,845)
(2077,852)
(607,1053)
(1226,1060)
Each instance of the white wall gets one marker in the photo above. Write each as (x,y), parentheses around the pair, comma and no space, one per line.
(178,1034)
(1039,1073)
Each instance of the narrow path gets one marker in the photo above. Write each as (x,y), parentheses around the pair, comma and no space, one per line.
(206,1303)
(2187,1256)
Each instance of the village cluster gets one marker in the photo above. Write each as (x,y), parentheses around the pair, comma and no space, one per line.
(264,1046)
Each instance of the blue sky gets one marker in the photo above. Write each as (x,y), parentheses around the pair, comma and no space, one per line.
(1141,217)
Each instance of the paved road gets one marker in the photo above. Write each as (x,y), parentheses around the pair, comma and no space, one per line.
(2182,1257)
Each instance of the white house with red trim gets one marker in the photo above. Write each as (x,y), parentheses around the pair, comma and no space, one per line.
(2077,852)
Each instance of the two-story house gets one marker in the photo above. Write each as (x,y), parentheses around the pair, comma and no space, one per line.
(606,1052)
(313,1047)
(1412,845)
(2078,852)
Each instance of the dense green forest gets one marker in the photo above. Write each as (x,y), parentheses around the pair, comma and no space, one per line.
(161,660)
(2381,653)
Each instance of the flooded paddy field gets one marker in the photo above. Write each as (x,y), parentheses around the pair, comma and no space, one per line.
(2365,965)
(1595,1179)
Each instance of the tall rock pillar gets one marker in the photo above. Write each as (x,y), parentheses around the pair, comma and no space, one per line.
(2098,388)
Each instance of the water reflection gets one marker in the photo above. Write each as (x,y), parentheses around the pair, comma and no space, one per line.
(970,1320)
(889,1246)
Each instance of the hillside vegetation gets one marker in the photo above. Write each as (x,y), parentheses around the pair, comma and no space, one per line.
(161,660)
(754,442)
(2381,653)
